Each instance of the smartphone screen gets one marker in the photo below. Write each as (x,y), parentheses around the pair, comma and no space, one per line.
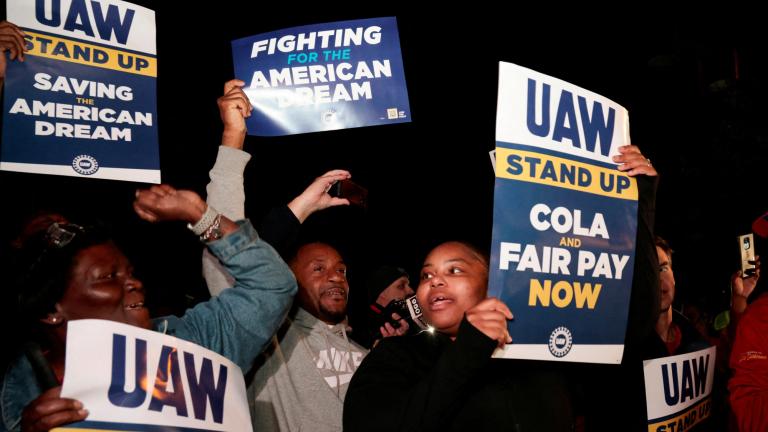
(747,251)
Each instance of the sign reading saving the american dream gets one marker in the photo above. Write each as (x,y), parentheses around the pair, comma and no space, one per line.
(129,378)
(564,220)
(678,390)
(323,77)
(83,103)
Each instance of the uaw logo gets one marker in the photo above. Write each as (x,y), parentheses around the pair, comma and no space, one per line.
(85,164)
(329,116)
(560,342)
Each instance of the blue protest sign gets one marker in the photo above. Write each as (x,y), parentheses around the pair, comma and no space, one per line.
(564,220)
(83,103)
(322,77)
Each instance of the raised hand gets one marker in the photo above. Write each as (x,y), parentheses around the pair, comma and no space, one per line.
(234,108)
(743,286)
(315,197)
(162,203)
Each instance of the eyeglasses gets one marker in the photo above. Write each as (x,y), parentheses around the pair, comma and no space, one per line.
(60,235)
(57,237)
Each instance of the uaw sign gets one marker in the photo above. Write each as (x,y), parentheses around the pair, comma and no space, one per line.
(564,220)
(678,390)
(133,379)
(83,102)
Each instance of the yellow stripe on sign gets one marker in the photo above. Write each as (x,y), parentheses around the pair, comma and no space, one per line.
(91,55)
(685,421)
(69,429)
(549,170)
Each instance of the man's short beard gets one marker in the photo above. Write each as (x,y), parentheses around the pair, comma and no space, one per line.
(333,316)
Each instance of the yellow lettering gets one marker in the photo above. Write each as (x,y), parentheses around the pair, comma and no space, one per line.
(586,293)
(537,291)
(561,288)
(563,294)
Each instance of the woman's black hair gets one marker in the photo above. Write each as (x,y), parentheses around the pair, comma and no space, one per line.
(44,262)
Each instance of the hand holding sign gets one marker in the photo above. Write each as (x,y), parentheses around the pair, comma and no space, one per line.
(490,317)
(11,40)
(633,162)
(234,108)
(50,410)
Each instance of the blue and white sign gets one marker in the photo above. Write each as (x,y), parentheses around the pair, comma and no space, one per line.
(678,390)
(323,77)
(129,378)
(564,220)
(83,103)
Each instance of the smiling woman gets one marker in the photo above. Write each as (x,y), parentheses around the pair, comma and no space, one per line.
(69,272)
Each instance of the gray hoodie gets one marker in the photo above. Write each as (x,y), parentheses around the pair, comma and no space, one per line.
(306,371)
(300,380)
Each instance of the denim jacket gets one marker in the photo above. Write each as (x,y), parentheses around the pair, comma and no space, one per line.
(237,324)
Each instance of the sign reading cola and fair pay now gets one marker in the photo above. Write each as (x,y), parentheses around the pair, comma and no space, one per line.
(564,220)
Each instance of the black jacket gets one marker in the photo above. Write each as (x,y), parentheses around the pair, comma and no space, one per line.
(427,382)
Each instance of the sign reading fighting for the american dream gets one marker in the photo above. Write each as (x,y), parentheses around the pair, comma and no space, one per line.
(83,103)
(129,378)
(564,220)
(323,77)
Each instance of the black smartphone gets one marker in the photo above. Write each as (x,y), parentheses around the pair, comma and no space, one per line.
(350,190)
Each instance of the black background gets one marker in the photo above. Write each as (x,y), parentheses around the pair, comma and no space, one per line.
(694,86)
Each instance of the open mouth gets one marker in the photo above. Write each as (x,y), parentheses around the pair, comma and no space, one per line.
(340,293)
(134,306)
(439,302)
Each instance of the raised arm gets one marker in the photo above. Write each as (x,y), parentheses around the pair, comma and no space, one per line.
(238,323)
(226,191)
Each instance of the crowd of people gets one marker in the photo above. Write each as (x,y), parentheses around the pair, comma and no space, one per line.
(279,310)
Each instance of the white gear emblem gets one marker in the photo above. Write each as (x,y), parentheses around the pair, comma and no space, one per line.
(560,342)
(85,164)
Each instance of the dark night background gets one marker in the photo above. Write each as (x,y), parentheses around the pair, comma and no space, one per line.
(694,87)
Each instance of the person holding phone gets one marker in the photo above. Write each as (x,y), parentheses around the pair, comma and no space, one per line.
(301,381)
(226,189)
(387,288)
(748,385)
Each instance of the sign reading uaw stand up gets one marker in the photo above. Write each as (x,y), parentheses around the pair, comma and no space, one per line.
(323,77)
(83,102)
(564,220)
